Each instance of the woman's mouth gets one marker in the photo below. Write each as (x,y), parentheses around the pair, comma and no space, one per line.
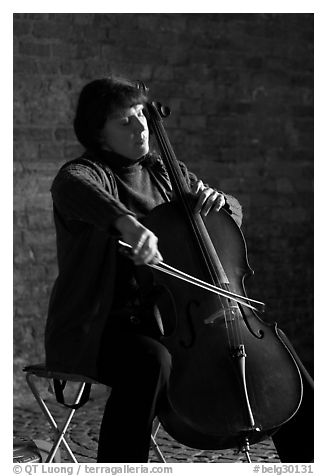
(141,141)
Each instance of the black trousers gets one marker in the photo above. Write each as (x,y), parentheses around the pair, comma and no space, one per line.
(137,367)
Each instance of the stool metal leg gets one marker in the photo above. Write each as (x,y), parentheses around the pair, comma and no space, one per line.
(154,444)
(51,420)
(62,432)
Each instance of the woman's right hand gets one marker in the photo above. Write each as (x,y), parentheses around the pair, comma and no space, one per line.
(144,243)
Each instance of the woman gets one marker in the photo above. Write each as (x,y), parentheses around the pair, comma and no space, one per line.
(100,324)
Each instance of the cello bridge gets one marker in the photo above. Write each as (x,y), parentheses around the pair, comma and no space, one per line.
(225,315)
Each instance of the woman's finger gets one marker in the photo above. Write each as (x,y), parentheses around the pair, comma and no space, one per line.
(209,203)
(209,199)
(196,187)
(220,202)
(205,194)
(141,242)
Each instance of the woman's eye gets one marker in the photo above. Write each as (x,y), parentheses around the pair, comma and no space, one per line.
(124,121)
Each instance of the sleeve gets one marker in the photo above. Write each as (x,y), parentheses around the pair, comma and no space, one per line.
(232,205)
(79,193)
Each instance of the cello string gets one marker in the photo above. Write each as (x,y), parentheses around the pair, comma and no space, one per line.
(229,322)
(237,331)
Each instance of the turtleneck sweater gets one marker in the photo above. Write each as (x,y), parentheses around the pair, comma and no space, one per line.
(138,189)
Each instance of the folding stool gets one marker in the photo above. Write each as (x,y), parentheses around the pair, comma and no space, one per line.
(59,381)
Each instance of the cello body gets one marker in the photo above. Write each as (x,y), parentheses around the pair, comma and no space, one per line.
(206,408)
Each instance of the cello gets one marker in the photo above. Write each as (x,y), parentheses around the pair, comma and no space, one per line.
(234,382)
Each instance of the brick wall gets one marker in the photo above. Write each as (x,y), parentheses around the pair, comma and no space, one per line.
(241,90)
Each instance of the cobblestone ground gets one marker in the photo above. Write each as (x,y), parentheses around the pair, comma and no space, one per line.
(82,436)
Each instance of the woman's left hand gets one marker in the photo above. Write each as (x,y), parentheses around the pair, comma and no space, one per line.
(208,198)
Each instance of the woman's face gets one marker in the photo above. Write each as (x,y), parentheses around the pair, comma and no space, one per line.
(126,133)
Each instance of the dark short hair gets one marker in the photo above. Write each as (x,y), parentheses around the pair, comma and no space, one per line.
(97,100)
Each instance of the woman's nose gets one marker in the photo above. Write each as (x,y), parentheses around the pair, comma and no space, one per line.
(140,125)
